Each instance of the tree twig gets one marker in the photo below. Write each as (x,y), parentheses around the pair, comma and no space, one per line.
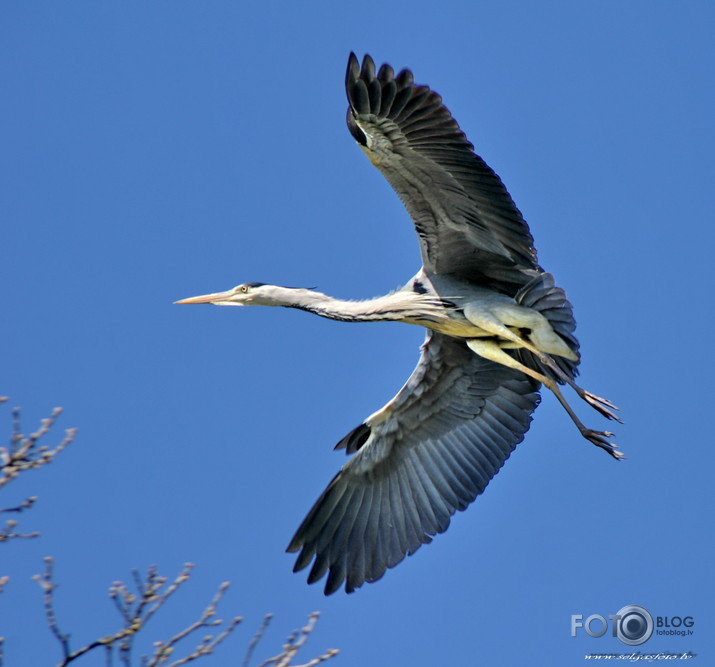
(25,505)
(8,532)
(294,643)
(136,609)
(163,650)
(25,453)
(256,638)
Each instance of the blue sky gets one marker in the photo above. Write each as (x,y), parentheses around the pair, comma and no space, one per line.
(152,151)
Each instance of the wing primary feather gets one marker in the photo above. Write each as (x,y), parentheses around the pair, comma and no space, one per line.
(405,79)
(490,436)
(386,74)
(429,521)
(415,535)
(396,520)
(359,98)
(402,96)
(336,576)
(455,492)
(320,567)
(338,550)
(322,512)
(441,510)
(441,482)
(375,535)
(304,558)
(338,543)
(374,91)
(466,473)
(419,94)
(357,545)
(389,90)
(427,113)
(422,125)
(502,423)
(356,539)
(367,72)
(471,457)
(352,73)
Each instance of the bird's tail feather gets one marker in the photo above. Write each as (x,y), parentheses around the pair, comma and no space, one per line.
(543,295)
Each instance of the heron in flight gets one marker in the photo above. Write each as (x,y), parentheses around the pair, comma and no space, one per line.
(497,326)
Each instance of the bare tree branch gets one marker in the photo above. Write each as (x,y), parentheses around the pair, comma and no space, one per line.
(166,649)
(256,638)
(8,532)
(3,581)
(294,643)
(136,609)
(149,594)
(25,453)
(25,505)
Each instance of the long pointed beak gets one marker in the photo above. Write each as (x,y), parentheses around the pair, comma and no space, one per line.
(216,297)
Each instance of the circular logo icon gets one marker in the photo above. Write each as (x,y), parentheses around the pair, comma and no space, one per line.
(635,625)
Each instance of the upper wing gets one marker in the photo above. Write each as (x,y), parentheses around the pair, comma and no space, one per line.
(466,220)
(429,452)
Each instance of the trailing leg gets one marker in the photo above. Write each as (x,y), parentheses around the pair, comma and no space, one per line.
(490,349)
(499,319)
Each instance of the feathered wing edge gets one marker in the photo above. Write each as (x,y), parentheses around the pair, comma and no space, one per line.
(467,222)
(446,434)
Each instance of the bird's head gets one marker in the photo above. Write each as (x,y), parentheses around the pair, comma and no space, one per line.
(246,294)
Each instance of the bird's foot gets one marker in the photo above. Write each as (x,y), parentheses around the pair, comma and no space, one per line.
(601,405)
(599,438)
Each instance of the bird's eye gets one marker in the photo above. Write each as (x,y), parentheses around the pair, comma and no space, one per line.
(244,288)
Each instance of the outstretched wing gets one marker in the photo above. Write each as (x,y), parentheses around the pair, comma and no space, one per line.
(466,220)
(428,453)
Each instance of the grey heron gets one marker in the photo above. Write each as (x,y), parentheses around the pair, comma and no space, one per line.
(497,328)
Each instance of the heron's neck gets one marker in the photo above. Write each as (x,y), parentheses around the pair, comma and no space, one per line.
(402,305)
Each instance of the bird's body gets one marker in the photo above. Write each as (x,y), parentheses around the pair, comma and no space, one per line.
(498,328)
(440,303)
